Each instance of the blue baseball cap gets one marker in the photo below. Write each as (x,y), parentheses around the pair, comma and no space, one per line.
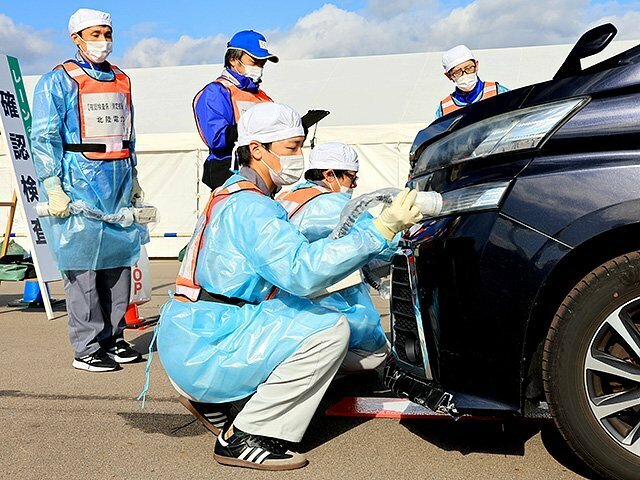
(252,43)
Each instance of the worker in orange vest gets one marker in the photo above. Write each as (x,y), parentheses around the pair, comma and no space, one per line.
(83,145)
(218,106)
(461,67)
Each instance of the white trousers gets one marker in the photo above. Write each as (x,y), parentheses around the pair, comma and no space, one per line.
(361,360)
(284,404)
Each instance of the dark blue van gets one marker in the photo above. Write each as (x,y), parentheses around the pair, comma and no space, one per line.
(524,296)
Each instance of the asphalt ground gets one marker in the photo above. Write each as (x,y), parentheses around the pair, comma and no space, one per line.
(61,423)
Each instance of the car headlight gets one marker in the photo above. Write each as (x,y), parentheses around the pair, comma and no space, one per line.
(486,196)
(520,130)
(476,198)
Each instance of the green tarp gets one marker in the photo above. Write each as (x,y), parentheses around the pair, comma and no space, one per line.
(16,265)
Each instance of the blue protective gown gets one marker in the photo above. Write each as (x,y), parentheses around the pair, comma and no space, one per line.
(77,242)
(316,220)
(217,352)
(462,99)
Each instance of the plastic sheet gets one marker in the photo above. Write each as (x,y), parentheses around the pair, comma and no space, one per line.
(124,217)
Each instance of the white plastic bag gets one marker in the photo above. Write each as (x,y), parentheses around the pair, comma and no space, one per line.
(141,279)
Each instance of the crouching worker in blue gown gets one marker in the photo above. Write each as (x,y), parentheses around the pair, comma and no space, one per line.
(314,207)
(227,336)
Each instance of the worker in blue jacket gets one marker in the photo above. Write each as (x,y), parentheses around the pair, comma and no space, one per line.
(218,106)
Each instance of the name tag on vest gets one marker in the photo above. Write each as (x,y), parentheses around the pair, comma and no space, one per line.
(105,115)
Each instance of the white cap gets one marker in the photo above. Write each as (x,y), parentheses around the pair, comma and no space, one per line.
(268,122)
(85,18)
(335,156)
(456,56)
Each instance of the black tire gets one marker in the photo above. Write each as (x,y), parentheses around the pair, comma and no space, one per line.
(583,332)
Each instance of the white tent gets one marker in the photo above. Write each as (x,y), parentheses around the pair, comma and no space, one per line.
(377,104)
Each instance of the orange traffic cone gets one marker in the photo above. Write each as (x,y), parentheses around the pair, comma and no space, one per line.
(132,318)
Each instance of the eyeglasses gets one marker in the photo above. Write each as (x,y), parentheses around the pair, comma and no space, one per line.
(458,72)
(351,176)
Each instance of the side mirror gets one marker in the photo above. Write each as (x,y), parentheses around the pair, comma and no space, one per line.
(592,42)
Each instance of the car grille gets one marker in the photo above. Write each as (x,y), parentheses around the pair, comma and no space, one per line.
(406,340)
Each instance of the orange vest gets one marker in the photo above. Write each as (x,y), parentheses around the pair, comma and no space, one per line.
(186,283)
(294,200)
(241,99)
(448,105)
(105,116)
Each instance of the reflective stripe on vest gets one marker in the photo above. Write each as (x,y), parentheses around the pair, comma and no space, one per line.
(294,200)
(186,283)
(448,105)
(104,108)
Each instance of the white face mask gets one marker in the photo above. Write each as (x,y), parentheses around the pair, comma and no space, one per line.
(343,189)
(98,52)
(253,72)
(467,82)
(348,191)
(291,169)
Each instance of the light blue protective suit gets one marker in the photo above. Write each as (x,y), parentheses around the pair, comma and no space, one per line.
(217,352)
(316,220)
(80,243)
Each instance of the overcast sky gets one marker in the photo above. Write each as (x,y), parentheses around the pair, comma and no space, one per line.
(151,34)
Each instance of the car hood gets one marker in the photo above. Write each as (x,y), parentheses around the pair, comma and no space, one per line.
(619,72)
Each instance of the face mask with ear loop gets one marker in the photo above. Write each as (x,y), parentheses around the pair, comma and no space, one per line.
(467,82)
(97,52)
(343,189)
(291,169)
(253,72)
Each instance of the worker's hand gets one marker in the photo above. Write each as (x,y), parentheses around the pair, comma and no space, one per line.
(58,200)
(401,214)
(137,195)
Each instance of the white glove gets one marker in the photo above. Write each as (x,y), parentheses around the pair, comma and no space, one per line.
(58,200)
(137,195)
(398,216)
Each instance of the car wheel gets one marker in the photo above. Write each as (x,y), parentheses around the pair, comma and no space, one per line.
(591,368)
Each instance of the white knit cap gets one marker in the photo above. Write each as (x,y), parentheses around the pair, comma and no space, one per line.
(268,122)
(335,156)
(85,18)
(456,56)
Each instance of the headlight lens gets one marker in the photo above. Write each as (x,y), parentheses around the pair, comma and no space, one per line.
(471,199)
(515,131)
(476,198)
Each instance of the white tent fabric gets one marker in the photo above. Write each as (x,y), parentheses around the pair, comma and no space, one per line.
(377,104)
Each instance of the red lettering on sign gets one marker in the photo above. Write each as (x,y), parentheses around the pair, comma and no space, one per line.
(137,286)
(137,274)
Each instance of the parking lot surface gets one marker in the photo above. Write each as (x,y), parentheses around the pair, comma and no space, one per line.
(60,423)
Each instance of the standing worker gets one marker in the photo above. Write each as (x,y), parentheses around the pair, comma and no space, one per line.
(83,149)
(218,106)
(461,67)
(315,207)
(226,337)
